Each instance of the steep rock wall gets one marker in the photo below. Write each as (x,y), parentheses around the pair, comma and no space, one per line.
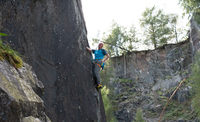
(194,37)
(18,99)
(150,67)
(153,75)
(52,35)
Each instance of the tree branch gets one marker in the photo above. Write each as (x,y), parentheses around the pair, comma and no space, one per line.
(116,46)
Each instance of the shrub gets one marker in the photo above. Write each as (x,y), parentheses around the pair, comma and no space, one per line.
(196,85)
(107,105)
(9,54)
(138,116)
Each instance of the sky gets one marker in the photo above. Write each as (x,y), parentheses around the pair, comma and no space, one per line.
(99,14)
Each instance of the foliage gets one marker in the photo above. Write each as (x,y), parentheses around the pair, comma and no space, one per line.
(106,73)
(9,54)
(196,80)
(119,39)
(125,80)
(107,105)
(176,110)
(139,117)
(107,91)
(179,34)
(168,77)
(192,8)
(173,18)
(3,34)
(156,25)
(18,61)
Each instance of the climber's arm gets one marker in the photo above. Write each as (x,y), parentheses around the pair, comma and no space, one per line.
(89,49)
(106,58)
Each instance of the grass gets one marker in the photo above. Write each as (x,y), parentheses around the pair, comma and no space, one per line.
(125,80)
(6,53)
(176,110)
(168,77)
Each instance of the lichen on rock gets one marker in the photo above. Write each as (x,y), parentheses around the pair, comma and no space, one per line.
(18,98)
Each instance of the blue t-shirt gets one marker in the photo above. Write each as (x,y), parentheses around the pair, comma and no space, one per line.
(99,54)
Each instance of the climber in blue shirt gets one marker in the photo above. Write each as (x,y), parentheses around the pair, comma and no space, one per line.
(98,61)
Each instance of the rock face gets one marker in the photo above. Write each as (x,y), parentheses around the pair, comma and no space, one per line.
(153,76)
(52,35)
(194,37)
(18,99)
(150,67)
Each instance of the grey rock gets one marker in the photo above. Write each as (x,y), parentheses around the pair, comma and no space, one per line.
(52,35)
(181,120)
(157,73)
(184,94)
(18,98)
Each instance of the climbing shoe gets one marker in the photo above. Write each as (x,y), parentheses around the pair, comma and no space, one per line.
(99,86)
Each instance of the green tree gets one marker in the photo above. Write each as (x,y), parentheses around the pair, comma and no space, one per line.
(132,38)
(196,85)
(138,116)
(116,39)
(156,27)
(119,40)
(192,8)
(106,73)
(173,18)
(179,34)
(107,105)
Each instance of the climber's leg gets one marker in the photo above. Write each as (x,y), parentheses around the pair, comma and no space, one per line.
(96,72)
(93,72)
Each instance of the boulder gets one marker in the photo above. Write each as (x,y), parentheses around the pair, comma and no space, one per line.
(18,98)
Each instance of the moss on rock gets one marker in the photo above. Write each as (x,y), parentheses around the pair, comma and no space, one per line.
(18,61)
(12,89)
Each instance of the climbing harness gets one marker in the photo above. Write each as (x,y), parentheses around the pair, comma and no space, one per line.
(97,63)
(102,64)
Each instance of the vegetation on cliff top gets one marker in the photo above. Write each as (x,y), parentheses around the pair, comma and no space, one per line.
(158,29)
(192,8)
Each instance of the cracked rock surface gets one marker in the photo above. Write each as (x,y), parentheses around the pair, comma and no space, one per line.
(18,98)
(52,35)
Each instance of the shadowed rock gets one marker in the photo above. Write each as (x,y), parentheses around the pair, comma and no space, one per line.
(52,35)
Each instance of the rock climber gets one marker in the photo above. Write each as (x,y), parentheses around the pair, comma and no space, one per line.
(98,61)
